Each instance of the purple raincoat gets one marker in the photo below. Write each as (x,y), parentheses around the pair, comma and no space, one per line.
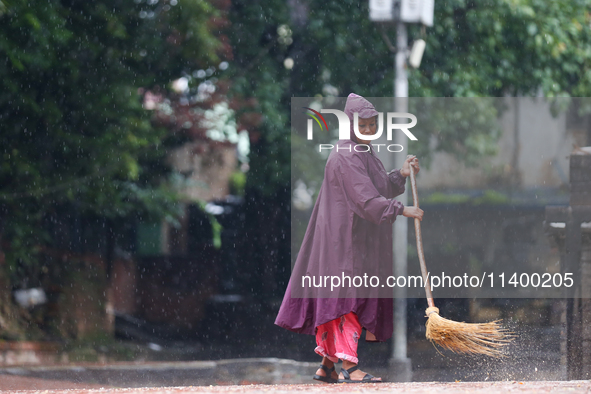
(349,233)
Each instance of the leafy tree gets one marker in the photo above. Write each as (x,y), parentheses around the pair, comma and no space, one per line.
(260,90)
(73,129)
(498,47)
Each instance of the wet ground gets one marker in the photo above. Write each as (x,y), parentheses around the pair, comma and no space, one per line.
(532,365)
(53,387)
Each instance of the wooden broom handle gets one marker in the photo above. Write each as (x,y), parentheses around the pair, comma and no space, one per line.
(415,197)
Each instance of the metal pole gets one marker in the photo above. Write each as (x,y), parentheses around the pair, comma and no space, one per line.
(399,359)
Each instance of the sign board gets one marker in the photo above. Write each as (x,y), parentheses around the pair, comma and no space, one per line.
(417,11)
(381,10)
(408,11)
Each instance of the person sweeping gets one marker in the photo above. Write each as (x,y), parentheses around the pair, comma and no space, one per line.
(349,235)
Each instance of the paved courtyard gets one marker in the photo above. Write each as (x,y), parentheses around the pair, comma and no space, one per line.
(53,387)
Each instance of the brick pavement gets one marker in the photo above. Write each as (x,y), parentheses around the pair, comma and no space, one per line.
(583,387)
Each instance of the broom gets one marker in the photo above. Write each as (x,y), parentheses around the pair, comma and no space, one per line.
(480,338)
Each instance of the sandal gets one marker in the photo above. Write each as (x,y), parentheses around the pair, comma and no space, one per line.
(328,378)
(347,378)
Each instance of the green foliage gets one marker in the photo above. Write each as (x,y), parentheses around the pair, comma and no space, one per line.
(258,72)
(345,50)
(443,198)
(489,197)
(92,347)
(73,129)
(237,183)
(498,47)
(216,227)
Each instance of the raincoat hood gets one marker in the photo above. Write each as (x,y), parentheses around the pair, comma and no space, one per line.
(364,108)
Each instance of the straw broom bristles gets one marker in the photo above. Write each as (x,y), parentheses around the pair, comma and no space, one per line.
(471,338)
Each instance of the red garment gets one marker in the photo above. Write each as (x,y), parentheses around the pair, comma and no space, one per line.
(338,338)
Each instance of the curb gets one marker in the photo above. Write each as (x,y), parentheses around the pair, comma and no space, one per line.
(192,373)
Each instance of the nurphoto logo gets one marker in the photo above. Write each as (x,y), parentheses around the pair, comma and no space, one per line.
(345,127)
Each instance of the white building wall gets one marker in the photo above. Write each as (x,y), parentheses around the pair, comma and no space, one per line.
(532,152)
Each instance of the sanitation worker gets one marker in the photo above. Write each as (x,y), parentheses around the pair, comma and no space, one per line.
(338,284)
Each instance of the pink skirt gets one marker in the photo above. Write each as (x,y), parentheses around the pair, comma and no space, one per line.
(338,338)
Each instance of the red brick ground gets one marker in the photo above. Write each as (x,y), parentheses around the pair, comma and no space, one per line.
(11,384)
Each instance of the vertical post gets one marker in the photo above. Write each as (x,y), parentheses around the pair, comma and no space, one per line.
(399,360)
(574,323)
(401,81)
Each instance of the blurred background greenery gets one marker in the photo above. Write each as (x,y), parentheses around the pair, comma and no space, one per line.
(95,95)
